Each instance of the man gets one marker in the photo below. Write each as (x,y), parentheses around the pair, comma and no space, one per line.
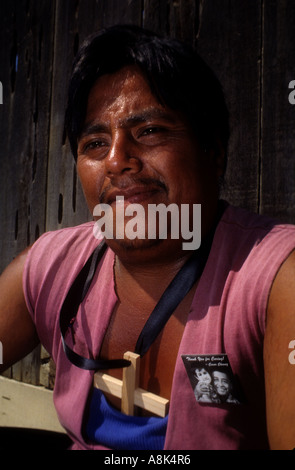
(223,386)
(147,121)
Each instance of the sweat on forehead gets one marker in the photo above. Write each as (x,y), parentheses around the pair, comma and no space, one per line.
(109,95)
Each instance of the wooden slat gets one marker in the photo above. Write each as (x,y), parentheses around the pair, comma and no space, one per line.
(26,55)
(278,119)
(130,382)
(229,39)
(27,406)
(142,398)
(151,402)
(155,16)
(178,19)
(128,390)
(108,384)
(26,40)
(65,201)
(184,20)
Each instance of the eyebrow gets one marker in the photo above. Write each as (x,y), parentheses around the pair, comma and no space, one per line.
(132,120)
(149,115)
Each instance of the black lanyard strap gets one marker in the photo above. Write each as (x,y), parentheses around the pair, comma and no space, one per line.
(178,288)
(173,295)
(70,307)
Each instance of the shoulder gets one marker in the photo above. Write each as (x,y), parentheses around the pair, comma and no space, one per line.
(51,266)
(58,239)
(244,219)
(250,249)
(281,306)
(278,347)
(54,245)
(242,228)
(56,258)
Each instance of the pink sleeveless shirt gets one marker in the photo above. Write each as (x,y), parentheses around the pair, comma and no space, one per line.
(227,317)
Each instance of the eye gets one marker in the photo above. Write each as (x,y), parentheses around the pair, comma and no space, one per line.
(152,135)
(151,130)
(92,146)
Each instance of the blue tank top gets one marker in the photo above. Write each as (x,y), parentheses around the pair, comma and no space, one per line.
(115,430)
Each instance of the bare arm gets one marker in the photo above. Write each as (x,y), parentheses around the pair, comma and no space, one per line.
(17,331)
(279,372)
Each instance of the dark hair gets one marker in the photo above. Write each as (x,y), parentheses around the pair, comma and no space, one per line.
(176,73)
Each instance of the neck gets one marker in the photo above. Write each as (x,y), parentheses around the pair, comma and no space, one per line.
(147,270)
(145,281)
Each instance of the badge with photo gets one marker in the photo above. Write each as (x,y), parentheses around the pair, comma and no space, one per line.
(212,378)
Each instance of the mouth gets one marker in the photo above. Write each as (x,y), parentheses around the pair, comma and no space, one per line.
(132,195)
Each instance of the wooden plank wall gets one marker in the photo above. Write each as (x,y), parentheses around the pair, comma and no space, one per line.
(251,47)
(249,43)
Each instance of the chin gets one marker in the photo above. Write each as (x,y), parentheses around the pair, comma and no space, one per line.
(132,245)
(146,251)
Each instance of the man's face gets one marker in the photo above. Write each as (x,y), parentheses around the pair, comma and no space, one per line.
(221,383)
(133,146)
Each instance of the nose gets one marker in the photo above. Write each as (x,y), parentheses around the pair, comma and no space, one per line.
(123,156)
